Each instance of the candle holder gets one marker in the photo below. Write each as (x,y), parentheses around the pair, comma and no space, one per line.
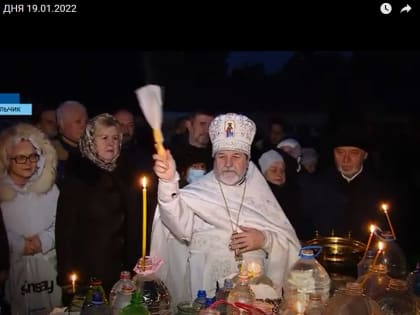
(67,294)
(340,255)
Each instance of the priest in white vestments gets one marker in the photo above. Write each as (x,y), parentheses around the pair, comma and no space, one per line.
(206,229)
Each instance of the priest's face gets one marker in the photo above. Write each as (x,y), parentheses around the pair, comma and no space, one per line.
(230,166)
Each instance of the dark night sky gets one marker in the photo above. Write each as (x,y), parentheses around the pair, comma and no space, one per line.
(100,76)
(107,78)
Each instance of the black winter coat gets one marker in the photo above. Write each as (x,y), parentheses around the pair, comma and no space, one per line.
(91,224)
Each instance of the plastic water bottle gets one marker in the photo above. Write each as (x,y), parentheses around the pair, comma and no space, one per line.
(241,293)
(223,294)
(122,299)
(315,305)
(393,257)
(97,306)
(201,298)
(95,285)
(136,306)
(375,281)
(397,299)
(125,281)
(307,276)
(413,280)
(352,301)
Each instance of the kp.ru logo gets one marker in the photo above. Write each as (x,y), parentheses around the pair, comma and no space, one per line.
(10,105)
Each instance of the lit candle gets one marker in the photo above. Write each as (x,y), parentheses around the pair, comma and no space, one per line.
(299,308)
(372,229)
(385,208)
(73,278)
(144,184)
(254,269)
(380,248)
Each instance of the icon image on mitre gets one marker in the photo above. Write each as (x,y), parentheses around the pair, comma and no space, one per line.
(229,128)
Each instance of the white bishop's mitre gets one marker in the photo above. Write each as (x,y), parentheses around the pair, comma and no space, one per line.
(232,132)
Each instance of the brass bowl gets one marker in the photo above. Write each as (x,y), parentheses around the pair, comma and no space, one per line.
(339,255)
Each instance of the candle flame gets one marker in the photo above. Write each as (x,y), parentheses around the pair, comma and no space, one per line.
(73,277)
(385,207)
(144,182)
(380,246)
(372,228)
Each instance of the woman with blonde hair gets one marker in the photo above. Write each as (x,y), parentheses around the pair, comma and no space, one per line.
(28,200)
(93,201)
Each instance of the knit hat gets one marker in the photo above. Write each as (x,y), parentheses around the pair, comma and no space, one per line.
(269,158)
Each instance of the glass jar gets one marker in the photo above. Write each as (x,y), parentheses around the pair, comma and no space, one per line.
(155,294)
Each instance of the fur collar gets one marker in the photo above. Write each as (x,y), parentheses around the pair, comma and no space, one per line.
(44,178)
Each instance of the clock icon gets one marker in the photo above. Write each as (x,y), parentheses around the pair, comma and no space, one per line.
(386,8)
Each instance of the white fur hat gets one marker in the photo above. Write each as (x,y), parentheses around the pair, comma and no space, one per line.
(232,132)
(269,158)
(289,142)
(296,151)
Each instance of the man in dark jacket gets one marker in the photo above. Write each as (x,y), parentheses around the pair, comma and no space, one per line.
(346,197)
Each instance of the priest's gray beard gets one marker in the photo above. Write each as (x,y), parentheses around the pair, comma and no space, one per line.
(230,177)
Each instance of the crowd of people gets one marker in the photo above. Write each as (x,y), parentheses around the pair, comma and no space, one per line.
(221,194)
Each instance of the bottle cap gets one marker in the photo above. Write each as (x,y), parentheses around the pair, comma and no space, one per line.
(97,298)
(228,283)
(201,293)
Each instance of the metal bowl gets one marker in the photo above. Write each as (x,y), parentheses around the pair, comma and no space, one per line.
(340,255)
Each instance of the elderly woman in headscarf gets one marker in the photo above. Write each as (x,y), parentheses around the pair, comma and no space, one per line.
(92,208)
(283,183)
(28,202)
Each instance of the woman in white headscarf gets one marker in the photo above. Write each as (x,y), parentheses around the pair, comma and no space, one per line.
(284,186)
(28,200)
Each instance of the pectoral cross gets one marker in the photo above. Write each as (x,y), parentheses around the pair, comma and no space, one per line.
(238,256)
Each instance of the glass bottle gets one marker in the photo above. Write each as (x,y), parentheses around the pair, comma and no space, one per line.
(124,281)
(397,300)
(307,276)
(153,290)
(375,282)
(241,293)
(136,306)
(351,300)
